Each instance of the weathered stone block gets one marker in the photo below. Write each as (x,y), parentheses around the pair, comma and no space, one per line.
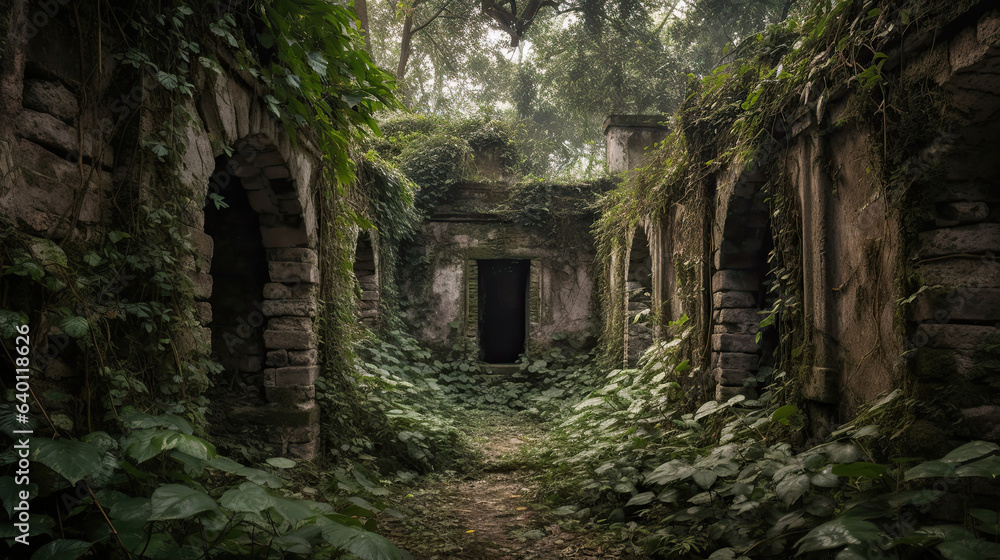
(47,130)
(745,316)
(289,340)
(736,360)
(283,236)
(962,337)
(203,310)
(303,357)
(263,201)
(724,392)
(730,377)
(293,291)
(735,280)
(981,422)
(962,272)
(954,213)
(48,191)
(292,272)
(52,98)
(961,304)
(277,358)
(305,451)
(290,324)
(289,396)
(976,238)
(293,254)
(256,183)
(290,307)
(724,300)
(941,363)
(201,285)
(743,343)
(276,172)
(291,376)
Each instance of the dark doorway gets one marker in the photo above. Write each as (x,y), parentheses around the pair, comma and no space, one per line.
(239,272)
(503,309)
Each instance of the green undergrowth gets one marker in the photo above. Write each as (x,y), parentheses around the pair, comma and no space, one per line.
(723,480)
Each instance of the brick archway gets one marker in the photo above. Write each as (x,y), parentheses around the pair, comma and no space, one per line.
(639,297)
(275,341)
(739,289)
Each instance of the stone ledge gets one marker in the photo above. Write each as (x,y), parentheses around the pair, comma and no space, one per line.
(293,254)
(727,300)
(739,280)
(301,307)
(976,238)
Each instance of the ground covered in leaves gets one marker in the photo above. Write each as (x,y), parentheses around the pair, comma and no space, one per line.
(491,511)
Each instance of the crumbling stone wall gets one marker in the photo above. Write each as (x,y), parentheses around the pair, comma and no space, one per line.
(60,174)
(900,288)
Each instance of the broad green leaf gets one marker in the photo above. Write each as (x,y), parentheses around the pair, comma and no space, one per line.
(969,549)
(781,415)
(281,462)
(74,460)
(930,469)
(62,549)
(704,478)
(248,498)
(987,468)
(129,509)
(838,533)
(294,511)
(76,327)
(361,543)
(175,501)
(640,499)
(792,487)
(969,451)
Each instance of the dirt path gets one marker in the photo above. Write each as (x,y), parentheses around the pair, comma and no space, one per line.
(488,514)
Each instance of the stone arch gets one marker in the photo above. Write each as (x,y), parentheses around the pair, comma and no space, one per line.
(366,272)
(268,305)
(639,297)
(740,287)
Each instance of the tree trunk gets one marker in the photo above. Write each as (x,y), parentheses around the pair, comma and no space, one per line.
(361,8)
(404,47)
(12,64)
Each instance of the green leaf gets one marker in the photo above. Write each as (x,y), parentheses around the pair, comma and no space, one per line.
(176,501)
(838,533)
(792,487)
(281,462)
(930,469)
(74,460)
(988,468)
(781,415)
(62,549)
(970,451)
(248,498)
(969,549)
(76,327)
(704,478)
(168,81)
(361,543)
(640,499)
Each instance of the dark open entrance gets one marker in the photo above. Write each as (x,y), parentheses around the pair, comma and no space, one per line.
(503,309)
(239,272)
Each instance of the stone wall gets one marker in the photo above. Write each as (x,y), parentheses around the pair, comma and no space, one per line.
(59,169)
(900,287)
(442,299)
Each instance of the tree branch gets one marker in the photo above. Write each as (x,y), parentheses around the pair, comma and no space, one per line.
(434,17)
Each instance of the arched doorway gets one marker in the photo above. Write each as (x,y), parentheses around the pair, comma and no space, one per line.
(262,292)
(639,301)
